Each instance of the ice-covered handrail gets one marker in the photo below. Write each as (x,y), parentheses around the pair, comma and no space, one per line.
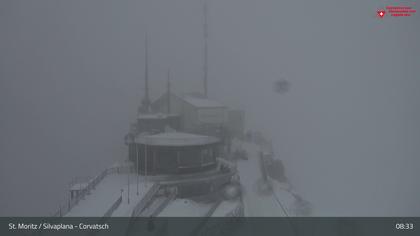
(213,208)
(114,206)
(159,209)
(147,197)
(92,183)
(227,163)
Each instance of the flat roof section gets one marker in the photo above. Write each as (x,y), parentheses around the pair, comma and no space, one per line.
(176,139)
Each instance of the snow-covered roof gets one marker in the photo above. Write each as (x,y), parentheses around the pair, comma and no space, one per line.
(202,102)
(176,139)
(155,115)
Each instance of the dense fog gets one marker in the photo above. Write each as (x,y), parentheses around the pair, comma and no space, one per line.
(71,78)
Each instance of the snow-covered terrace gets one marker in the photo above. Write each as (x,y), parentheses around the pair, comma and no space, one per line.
(107,192)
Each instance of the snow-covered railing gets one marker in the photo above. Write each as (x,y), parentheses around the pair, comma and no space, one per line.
(63,209)
(221,226)
(147,197)
(237,212)
(120,169)
(226,163)
(159,209)
(114,206)
(90,184)
(213,208)
(207,227)
(95,181)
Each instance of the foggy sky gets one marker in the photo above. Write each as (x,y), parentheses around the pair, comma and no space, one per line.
(71,78)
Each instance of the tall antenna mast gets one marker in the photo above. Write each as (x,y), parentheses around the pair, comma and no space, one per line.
(205,48)
(169,92)
(146,99)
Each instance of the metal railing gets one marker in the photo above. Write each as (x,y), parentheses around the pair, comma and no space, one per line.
(146,198)
(64,208)
(168,199)
(213,208)
(114,206)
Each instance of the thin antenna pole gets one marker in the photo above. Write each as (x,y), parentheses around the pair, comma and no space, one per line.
(146,69)
(169,92)
(205,48)
(146,99)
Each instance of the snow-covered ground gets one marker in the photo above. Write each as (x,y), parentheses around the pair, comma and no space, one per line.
(256,204)
(256,201)
(186,207)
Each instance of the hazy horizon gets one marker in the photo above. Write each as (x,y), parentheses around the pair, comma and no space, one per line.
(71,79)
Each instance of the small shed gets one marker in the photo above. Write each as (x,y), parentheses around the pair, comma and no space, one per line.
(195,110)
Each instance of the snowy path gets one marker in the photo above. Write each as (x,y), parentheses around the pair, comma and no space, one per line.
(256,204)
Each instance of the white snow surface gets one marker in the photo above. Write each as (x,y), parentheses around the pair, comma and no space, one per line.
(185,207)
(255,202)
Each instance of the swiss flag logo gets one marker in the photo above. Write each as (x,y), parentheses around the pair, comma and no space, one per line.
(381,13)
